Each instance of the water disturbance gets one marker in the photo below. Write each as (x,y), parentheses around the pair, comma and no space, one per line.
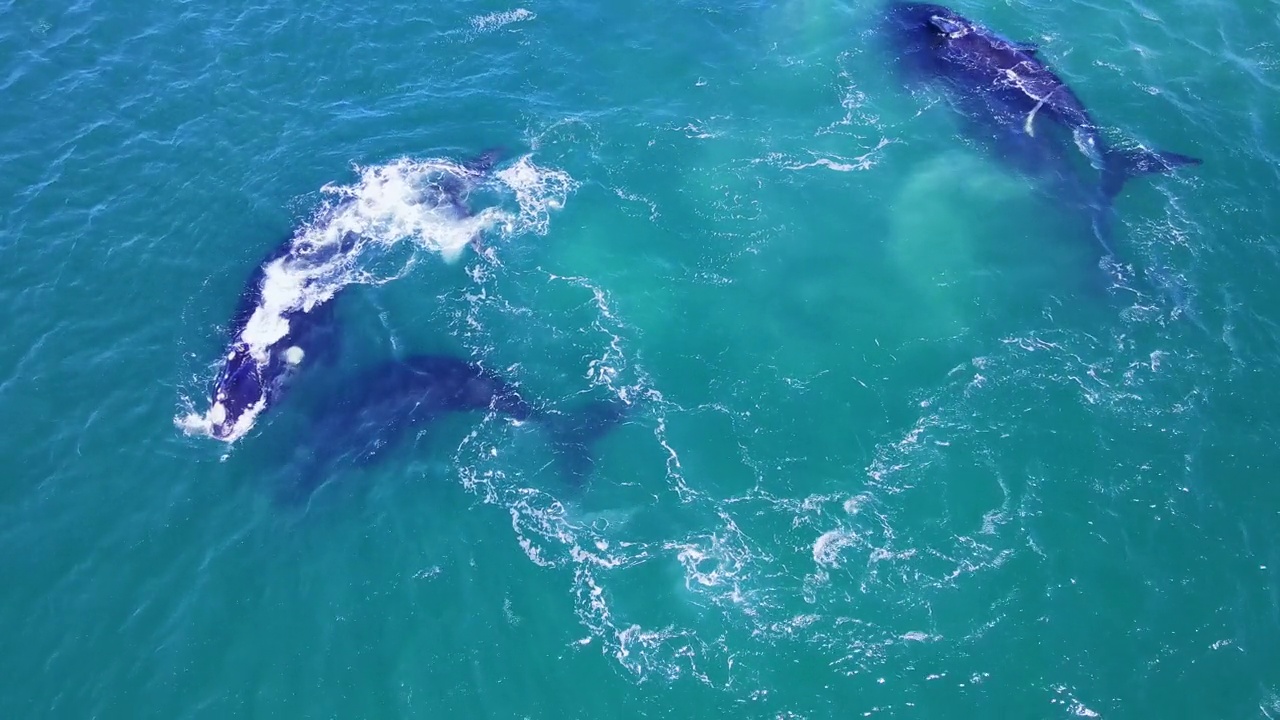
(894,438)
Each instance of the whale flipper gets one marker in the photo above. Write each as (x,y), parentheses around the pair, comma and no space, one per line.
(1028,127)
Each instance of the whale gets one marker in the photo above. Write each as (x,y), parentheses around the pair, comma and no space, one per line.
(1017,108)
(248,381)
(271,340)
(377,409)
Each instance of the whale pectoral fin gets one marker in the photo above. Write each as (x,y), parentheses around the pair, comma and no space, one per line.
(1028,48)
(1031,117)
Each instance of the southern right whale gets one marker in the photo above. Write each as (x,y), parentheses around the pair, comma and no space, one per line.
(1017,108)
(378,408)
(271,336)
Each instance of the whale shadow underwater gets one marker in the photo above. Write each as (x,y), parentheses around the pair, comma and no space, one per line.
(380,408)
(268,345)
(1017,110)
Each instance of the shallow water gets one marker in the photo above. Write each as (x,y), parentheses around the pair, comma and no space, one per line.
(890,453)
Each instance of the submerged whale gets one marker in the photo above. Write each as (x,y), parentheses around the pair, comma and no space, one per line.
(379,408)
(271,337)
(1018,108)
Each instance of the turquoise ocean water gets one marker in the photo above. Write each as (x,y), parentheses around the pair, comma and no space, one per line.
(889,455)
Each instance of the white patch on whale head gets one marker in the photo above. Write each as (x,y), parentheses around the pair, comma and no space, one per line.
(243,423)
(214,422)
(950,27)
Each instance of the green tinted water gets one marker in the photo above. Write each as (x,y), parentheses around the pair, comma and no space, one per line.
(889,455)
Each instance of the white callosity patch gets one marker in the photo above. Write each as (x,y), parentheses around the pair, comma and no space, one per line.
(402,201)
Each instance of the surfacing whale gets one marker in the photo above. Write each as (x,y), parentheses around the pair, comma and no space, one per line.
(1019,109)
(285,312)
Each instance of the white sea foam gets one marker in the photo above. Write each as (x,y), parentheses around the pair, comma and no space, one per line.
(849,573)
(495,20)
(826,549)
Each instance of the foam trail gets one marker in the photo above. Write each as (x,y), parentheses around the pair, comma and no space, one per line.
(495,20)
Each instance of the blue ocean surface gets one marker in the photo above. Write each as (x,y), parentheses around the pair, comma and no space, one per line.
(895,438)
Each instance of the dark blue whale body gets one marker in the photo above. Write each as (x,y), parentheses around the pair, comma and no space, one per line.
(1017,108)
(251,379)
(381,407)
(244,382)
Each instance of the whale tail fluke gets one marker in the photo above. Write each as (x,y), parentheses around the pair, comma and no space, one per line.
(1120,165)
(575,435)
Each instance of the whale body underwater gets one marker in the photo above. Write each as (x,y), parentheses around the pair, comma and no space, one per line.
(374,410)
(1015,106)
(269,344)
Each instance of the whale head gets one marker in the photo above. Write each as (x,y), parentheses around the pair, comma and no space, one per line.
(927,20)
(920,14)
(239,394)
(950,25)
(917,34)
(928,42)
